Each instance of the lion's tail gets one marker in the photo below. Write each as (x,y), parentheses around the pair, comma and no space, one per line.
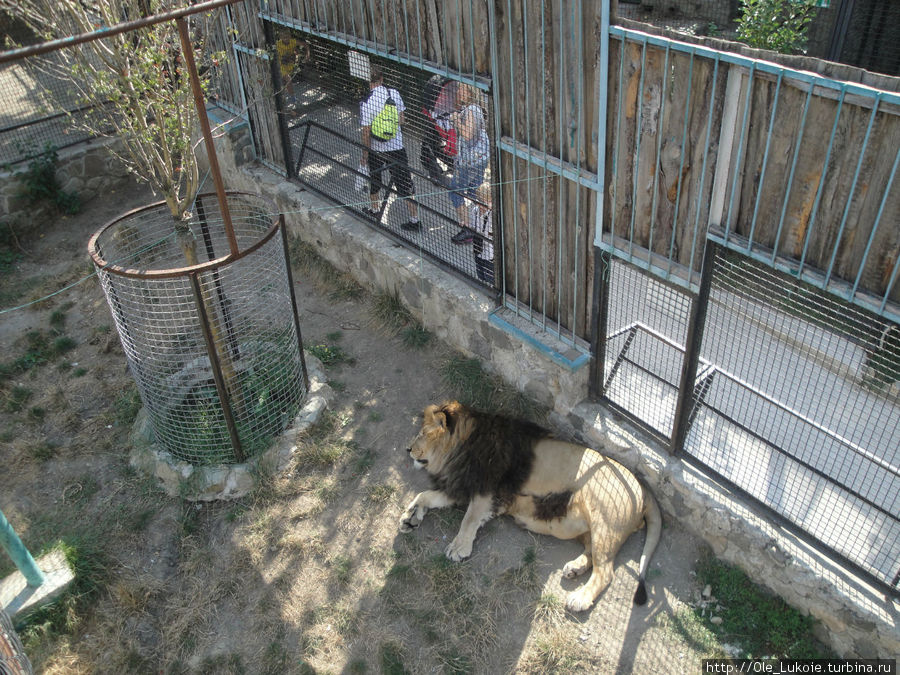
(653,519)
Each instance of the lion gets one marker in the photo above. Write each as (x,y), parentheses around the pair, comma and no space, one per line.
(497,465)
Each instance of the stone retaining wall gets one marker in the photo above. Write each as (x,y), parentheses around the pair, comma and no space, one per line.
(87,169)
(857,620)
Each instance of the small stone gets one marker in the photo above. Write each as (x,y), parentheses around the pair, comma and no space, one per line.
(707,591)
(716,620)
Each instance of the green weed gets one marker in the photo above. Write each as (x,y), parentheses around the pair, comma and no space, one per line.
(762,623)
(17,398)
(44,451)
(38,183)
(381,493)
(469,383)
(391,657)
(342,566)
(330,356)
(389,311)
(338,285)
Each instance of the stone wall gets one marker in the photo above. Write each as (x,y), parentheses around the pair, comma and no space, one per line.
(88,169)
(857,620)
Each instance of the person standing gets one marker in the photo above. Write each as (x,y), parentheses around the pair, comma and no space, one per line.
(382,139)
(472,157)
(289,48)
(482,224)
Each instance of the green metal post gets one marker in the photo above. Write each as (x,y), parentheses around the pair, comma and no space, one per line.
(22,559)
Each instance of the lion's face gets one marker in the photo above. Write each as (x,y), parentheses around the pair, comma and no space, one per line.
(431,445)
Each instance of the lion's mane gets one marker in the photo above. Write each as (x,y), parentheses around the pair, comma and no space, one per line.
(490,454)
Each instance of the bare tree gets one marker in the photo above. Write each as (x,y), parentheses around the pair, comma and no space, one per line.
(134,84)
(137,89)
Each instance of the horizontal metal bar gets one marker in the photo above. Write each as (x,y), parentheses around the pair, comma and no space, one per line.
(258,52)
(552,164)
(861,452)
(792,526)
(373,48)
(761,65)
(837,287)
(661,267)
(109,31)
(865,454)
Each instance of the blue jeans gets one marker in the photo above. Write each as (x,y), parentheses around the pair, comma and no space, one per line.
(465,180)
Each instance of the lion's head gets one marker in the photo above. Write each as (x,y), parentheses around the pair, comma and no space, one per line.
(436,439)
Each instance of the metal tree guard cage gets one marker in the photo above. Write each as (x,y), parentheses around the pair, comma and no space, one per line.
(214,346)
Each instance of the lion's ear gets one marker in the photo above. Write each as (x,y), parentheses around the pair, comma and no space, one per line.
(429,413)
(441,418)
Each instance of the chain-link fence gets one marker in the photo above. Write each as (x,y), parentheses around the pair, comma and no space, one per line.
(212,339)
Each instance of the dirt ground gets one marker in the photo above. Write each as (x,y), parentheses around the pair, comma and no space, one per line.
(309,573)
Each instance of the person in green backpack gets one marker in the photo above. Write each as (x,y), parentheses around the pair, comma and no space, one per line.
(381,119)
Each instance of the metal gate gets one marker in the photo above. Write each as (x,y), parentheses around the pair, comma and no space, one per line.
(744,317)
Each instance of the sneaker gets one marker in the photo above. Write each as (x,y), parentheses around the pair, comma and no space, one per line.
(411,226)
(464,236)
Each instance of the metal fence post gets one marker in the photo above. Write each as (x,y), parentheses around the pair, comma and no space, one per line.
(279,85)
(599,321)
(21,558)
(694,340)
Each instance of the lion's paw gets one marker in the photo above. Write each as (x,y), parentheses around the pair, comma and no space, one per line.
(577,567)
(579,601)
(411,518)
(458,550)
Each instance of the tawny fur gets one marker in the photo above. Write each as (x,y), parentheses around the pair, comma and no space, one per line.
(496,465)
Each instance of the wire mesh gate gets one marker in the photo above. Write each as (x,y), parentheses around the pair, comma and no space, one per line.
(776,388)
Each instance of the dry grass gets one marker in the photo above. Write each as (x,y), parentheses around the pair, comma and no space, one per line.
(308,573)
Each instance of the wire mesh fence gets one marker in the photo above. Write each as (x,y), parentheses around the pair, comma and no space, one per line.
(324,85)
(646,333)
(795,401)
(214,345)
(39,109)
(796,415)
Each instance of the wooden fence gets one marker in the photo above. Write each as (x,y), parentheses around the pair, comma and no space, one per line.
(783,162)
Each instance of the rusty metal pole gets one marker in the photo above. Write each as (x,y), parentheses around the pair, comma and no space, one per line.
(188,50)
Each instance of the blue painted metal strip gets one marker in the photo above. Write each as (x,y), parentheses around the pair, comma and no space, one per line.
(257,52)
(740,156)
(821,188)
(551,164)
(367,46)
(558,358)
(602,103)
(637,152)
(678,180)
(759,64)
(765,164)
(10,542)
(790,183)
(659,134)
(709,119)
(887,190)
(859,164)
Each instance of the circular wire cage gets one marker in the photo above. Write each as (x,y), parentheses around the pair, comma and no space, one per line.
(208,324)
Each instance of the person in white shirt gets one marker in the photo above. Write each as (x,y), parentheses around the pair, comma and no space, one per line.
(472,157)
(481,224)
(377,153)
